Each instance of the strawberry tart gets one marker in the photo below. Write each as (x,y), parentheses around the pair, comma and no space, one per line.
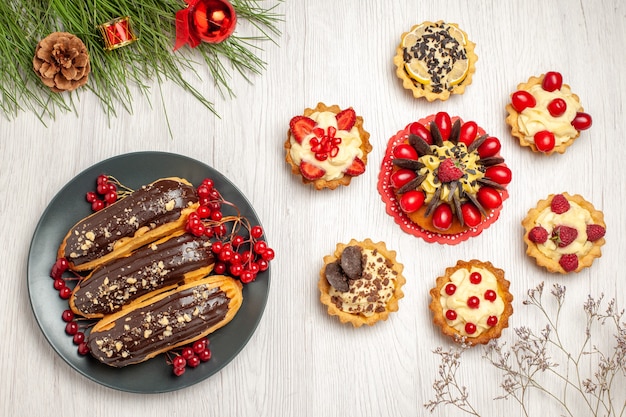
(443,179)
(544,114)
(361,282)
(472,302)
(564,233)
(435,60)
(327,146)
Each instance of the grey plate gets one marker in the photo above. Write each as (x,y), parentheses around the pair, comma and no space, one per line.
(68,207)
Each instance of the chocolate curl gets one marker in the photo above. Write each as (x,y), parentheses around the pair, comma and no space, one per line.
(184,34)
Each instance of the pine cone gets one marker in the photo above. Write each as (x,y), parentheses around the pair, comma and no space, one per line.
(62,62)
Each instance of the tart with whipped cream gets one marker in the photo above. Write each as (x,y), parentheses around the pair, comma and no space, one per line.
(544,114)
(472,302)
(443,179)
(564,233)
(361,282)
(435,60)
(327,146)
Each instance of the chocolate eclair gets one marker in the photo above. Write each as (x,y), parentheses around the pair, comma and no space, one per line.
(147,214)
(156,267)
(153,325)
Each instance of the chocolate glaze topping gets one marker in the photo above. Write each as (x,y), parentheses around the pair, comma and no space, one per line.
(150,206)
(155,266)
(178,317)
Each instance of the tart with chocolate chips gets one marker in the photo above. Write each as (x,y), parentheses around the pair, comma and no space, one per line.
(443,179)
(435,60)
(361,282)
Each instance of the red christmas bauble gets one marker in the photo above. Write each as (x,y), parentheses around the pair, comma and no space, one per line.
(212,20)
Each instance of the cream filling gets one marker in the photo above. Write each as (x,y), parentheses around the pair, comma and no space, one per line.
(349,148)
(576,217)
(536,119)
(464,290)
(468,183)
(368,295)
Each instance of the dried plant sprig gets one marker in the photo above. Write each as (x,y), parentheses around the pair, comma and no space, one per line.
(531,355)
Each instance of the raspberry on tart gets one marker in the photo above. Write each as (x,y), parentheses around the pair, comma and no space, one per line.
(544,114)
(361,282)
(327,146)
(472,301)
(564,233)
(443,179)
(435,60)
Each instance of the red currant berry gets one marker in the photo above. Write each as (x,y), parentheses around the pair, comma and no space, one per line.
(179,362)
(247,276)
(102,179)
(235,270)
(236,258)
(203,191)
(83,349)
(475,277)
(582,121)
(470,328)
(216,215)
(473,302)
(492,321)
(450,289)
(219,268)
(254,267)
(260,247)
(490,295)
(237,240)
(67,316)
(198,230)
(268,254)
(451,315)
(112,187)
(557,107)
(78,338)
(216,247)
(187,353)
(193,361)
(91,197)
(65,293)
(110,197)
(411,201)
(208,182)
(97,205)
(199,345)
(544,140)
(205,355)
(263,265)
(256,232)
(521,100)
(59,283)
(219,230)
(203,212)
(552,81)
(179,371)
(469,131)
(71,328)
(102,189)
(421,131)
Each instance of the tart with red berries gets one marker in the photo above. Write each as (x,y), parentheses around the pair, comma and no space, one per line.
(361,282)
(327,146)
(472,302)
(443,179)
(435,60)
(564,233)
(544,114)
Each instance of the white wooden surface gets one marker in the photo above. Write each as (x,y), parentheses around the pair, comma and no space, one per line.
(300,361)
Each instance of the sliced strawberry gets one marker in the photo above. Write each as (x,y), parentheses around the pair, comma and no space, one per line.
(310,171)
(346,119)
(301,126)
(357,167)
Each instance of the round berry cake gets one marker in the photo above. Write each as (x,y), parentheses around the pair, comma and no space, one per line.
(327,146)
(435,59)
(564,233)
(472,301)
(545,115)
(443,179)
(361,282)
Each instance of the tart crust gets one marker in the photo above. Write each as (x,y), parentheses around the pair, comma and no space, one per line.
(357,320)
(502,290)
(345,180)
(548,263)
(417,88)
(513,115)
